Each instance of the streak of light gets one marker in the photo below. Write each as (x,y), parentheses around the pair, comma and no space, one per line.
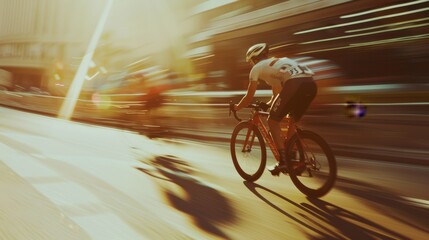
(366,34)
(204,57)
(384,104)
(281,46)
(137,62)
(314,62)
(326,50)
(391,40)
(12,94)
(384,9)
(326,104)
(302,59)
(198,104)
(217,93)
(365,88)
(363,21)
(387,25)
(69,104)
(418,202)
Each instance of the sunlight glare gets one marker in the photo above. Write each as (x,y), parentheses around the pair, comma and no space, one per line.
(69,104)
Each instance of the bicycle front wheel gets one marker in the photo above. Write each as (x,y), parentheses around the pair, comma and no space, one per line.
(315,169)
(248,151)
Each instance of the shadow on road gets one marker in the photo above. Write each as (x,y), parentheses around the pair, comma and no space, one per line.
(392,205)
(207,206)
(326,219)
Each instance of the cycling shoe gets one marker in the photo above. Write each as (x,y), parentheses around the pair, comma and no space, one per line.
(280,167)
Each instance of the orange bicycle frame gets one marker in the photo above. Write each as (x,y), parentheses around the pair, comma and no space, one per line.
(256,121)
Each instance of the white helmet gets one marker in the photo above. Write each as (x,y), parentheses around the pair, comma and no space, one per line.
(256,51)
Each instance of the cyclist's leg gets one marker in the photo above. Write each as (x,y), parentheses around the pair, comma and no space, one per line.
(295,98)
(291,128)
(300,102)
(304,96)
(279,109)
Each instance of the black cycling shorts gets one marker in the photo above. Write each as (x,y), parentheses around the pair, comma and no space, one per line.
(294,99)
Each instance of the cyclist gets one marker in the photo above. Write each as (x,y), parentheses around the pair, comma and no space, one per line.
(293,91)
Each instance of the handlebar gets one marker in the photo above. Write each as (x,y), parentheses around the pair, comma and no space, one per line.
(259,106)
(231,110)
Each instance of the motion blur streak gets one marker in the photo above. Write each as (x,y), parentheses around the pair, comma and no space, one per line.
(366,34)
(363,21)
(146,154)
(384,9)
(387,25)
(69,104)
(384,41)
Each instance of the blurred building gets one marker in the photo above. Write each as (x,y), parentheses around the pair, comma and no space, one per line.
(42,41)
(367,39)
(39,38)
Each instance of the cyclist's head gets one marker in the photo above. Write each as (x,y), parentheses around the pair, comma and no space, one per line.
(257,52)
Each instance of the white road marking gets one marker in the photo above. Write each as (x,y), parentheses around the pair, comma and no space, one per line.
(24,165)
(67,195)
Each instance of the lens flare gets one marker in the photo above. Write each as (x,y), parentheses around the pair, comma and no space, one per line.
(101,101)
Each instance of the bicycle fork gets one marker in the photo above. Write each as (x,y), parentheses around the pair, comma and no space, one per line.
(247,146)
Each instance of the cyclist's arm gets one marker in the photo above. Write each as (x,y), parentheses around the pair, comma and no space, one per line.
(276,91)
(247,99)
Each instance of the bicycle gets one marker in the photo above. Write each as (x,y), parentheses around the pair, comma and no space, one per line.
(311,163)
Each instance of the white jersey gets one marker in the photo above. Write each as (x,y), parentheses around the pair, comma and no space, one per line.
(276,71)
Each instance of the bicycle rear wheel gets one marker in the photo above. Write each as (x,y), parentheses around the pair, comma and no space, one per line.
(315,170)
(248,151)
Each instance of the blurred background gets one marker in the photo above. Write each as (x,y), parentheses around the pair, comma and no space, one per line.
(169,68)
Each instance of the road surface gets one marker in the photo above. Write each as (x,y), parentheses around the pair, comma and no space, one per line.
(68,180)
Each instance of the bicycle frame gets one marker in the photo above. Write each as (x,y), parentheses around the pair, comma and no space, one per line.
(257,121)
(301,142)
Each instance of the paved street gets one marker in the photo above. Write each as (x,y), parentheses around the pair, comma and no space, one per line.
(67,180)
